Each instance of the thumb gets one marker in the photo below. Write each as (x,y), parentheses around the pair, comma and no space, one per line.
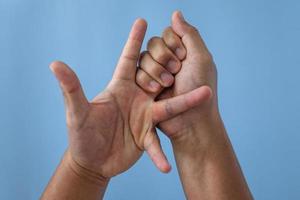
(188,33)
(169,108)
(75,100)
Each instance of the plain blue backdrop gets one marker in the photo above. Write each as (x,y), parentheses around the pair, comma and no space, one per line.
(255,46)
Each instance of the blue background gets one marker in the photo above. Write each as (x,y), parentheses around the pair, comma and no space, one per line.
(255,45)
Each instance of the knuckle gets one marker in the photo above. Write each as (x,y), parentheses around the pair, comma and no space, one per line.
(144,59)
(207,58)
(155,72)
(152,68)
(153,42)
(169,109)
(130,57)
(161,56)
(158,50)
(192,30)
(169,38)
(203,58)
(167,32)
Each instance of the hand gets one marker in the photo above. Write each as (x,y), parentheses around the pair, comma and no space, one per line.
(182,42)
(205,159)
(109,134)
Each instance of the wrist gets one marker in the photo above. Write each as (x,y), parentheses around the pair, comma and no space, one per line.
(83,174)
(201,140)
(205,159)
(205,127)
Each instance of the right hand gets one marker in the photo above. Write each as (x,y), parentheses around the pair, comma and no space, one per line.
(204,156)
(182,42)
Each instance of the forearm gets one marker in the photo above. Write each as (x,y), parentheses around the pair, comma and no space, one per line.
(70,181)
(207,164)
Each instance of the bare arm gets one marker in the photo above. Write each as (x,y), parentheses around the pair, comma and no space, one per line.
(206,162)
(71,181)
(207,165)
(104,138)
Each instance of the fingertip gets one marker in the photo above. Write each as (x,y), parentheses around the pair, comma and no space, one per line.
(57,63)
(126,67)
(200,96)
(146,82)
(53,65)
(180,53)
(177,14)
(163,165)
(167,79)
(154,86)
(57,66)
(140,22)
(65,76)
(139,28)
(206,92)
(177,23)
(166,169)
(155,152)
(180,25)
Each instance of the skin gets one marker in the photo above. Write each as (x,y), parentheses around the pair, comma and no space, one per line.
(205,159)
(109,134)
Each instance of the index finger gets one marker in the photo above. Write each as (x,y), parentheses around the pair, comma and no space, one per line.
(127,64)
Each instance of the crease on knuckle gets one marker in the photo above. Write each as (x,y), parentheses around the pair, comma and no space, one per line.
(168,108)
(158,50)
(170,38)
(192,30)
(130,57)
(168,31)
(153,41)
(142,57)
(145,60)
(161,55)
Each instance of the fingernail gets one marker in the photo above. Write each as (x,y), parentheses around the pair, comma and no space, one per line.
(172,66)
(154,85)
(180,53)
(167,78)
(181,15)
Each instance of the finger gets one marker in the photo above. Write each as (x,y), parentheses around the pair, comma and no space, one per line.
(163,55)
(156,71)
(126,67)
(75,100)
(168,108)
(189,34)
(174,43)
(153,148)
(147,83)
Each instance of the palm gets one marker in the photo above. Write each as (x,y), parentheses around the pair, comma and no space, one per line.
(124,105)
